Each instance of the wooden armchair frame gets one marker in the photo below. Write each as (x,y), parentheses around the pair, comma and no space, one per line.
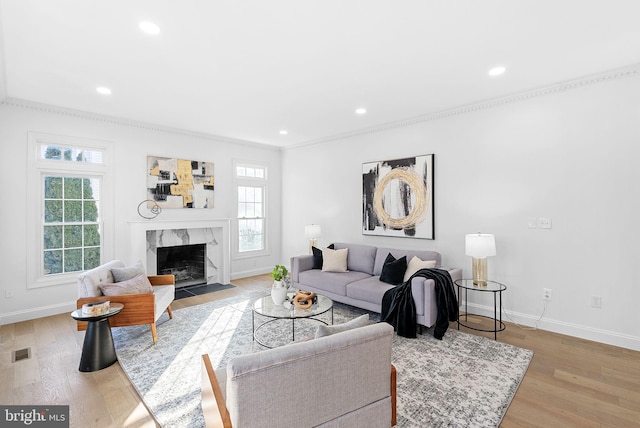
(138,308)
(214,406)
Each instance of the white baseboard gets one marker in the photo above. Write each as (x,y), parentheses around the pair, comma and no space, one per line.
(561,327)
(248,273)
(39,312)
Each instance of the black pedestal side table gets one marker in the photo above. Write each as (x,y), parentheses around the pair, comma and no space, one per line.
(98,351)
(491,287)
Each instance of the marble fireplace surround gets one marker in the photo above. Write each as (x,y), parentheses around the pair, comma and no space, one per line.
(215,233)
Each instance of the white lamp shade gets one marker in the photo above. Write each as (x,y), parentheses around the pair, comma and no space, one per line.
(312,231)
(480,245)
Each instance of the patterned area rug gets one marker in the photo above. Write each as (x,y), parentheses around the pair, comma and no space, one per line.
(461,381)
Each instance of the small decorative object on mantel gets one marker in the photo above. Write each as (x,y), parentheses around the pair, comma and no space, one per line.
(304,299)
(279,287)
(154,208)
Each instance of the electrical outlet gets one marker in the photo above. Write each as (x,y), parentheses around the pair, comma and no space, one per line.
(8,294)
(546,294)
(596,302)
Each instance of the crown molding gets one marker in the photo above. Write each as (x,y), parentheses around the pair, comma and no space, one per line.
(114,120)
(594,79)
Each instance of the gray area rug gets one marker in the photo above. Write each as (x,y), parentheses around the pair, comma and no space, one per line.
(461,381)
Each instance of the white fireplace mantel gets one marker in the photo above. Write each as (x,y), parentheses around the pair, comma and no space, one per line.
(138,249)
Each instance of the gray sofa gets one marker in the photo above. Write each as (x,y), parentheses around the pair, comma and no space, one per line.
(361,285)
(342,380)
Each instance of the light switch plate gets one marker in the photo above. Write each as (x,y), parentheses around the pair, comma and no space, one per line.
(544,223)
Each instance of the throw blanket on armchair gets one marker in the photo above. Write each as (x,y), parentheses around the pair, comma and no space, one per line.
(399,309)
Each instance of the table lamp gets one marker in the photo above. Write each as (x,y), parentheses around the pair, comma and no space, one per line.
(480,246)
(312,232)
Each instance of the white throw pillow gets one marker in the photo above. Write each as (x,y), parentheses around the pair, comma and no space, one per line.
(328,330)
(415,264)
(334,260)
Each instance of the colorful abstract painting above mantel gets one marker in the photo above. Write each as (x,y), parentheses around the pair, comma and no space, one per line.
(179,183)
(397,197)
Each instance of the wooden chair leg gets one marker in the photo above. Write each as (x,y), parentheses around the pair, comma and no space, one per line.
(154,333)
(393,395)
(169,312)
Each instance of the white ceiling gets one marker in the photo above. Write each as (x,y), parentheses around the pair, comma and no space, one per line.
(246,69)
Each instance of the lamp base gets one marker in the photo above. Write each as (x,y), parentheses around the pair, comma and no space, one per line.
(479,271)
(313,242)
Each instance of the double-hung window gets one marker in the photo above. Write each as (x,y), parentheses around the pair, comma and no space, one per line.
(251,185)
(67,236)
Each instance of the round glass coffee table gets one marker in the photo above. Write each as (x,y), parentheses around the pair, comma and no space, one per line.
(265,307)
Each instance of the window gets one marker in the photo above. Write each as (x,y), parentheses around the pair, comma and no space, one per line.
(69,175)
(251,190)
(71,228)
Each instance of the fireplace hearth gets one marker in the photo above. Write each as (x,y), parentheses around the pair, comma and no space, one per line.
(186,262)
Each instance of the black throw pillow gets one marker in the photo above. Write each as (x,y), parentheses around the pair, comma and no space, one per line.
(317,256)
(393,270)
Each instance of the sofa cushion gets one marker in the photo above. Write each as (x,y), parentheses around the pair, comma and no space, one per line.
(335,282)
(137,285)
(317,256)
(369,289)
(128,272)
(415,264)
(334,260)
(361,257)
(327,330)
(393,270)
(381,256)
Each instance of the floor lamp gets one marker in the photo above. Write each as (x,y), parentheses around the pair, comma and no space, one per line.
(480,246)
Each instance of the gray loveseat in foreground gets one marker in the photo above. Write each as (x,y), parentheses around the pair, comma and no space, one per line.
(342,380)
(361,285)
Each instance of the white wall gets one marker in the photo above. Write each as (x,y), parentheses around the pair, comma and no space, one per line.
(132,145)
(570,156)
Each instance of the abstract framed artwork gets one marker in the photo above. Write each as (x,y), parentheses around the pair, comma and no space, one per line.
(179,183)
(397,197)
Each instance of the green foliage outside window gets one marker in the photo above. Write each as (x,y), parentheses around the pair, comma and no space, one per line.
(71,234)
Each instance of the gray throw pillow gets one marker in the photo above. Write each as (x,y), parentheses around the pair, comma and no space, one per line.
(126,273)
(137,285)
(327,330)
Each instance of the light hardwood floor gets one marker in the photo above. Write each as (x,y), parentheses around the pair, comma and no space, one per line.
(570,382)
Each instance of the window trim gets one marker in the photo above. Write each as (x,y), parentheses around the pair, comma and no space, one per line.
(250,182)
(38,168)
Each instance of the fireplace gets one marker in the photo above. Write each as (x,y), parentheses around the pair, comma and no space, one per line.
(148,236)
(186,262)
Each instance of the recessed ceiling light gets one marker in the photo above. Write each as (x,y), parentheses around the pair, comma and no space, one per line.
(497,71)
(361,110)
(149,27)
(103,90)
(283,132)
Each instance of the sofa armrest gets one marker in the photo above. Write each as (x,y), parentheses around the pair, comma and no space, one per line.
(300,264)
(455,273)
(214,406)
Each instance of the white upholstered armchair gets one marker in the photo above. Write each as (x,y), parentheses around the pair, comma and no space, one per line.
(139,307)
